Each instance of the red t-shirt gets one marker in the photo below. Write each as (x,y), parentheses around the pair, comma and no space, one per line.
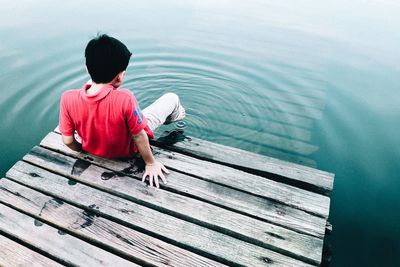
(105,121)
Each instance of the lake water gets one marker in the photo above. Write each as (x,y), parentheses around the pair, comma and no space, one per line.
(310,82)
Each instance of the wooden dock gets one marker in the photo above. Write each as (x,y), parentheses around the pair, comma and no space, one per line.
(221,206)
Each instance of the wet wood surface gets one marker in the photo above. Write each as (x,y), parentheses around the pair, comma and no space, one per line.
(210,213)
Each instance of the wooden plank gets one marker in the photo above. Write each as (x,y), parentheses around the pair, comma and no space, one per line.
(88,225)
(291,173)
(239,226)
(253,184)
(222,196)
(294,197)
(188,235)
(15,254)
(48,239)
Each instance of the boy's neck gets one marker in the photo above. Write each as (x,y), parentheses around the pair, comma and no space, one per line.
(95,88)
(116,82)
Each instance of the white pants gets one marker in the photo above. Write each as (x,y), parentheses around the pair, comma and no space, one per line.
(164,110)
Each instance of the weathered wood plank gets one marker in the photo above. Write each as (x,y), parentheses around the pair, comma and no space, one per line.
(183,206)
(289,195)
(294,174)
(253,184)
(204,241)
(15,254)
(246,228)
(87,225)
(48,239)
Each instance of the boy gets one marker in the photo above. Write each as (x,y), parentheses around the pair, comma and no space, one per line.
(109,120)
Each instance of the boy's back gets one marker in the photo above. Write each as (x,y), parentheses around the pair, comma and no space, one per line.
(105,121)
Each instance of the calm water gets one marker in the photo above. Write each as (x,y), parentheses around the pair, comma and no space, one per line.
(316,84)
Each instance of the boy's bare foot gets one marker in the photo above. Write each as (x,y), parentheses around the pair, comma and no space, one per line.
(181,114)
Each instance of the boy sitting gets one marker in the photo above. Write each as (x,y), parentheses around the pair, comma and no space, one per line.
(109,120)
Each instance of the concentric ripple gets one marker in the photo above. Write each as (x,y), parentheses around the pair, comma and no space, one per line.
(228,101)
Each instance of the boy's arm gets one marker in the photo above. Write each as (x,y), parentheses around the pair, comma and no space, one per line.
(70,141)
(153,167)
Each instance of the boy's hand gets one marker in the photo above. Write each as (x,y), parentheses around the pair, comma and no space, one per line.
(154,170)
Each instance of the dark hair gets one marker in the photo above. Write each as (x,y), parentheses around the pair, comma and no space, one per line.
(105,58)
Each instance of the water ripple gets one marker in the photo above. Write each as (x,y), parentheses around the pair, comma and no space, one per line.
(224,99)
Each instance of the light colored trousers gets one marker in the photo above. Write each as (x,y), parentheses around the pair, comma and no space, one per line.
(164,110)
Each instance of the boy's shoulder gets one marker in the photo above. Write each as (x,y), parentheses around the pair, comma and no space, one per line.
(123,93)
(70,94)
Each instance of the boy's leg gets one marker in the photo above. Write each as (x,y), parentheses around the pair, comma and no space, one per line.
(166,109)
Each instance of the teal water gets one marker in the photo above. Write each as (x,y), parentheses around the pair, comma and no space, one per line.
(305,81)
